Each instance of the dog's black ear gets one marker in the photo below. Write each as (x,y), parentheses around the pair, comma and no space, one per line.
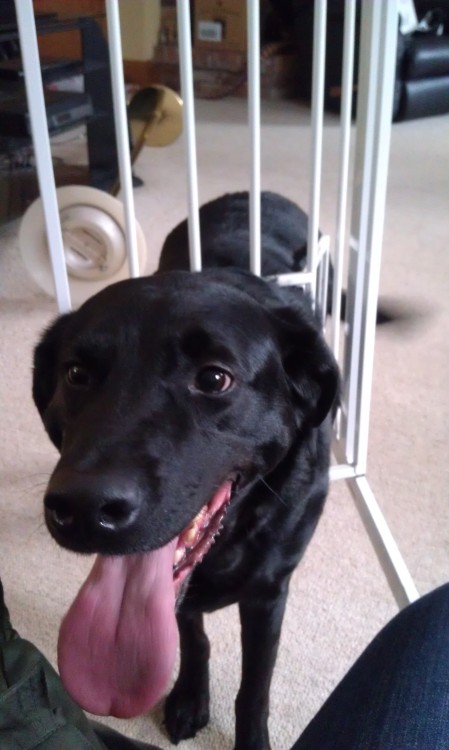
(310,366)
(45,371)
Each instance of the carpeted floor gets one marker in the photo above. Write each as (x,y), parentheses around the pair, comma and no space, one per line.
(339,597)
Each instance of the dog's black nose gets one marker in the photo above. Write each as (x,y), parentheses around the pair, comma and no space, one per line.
(66,510)
(90,506)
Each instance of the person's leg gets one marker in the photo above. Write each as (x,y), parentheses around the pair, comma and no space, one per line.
(396,696)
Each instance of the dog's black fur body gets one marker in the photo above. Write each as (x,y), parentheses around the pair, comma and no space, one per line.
(224,230)
(141,429)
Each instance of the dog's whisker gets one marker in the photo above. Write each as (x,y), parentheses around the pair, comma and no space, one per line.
(38,486)
(24,482)
(271,490)
(37,474)
(36,530)
(40,476)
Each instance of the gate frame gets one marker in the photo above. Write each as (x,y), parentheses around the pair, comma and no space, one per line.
(378,39)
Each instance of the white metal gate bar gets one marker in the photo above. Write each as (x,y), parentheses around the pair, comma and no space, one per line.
(319,58)
(387,551)
(41,143)
(374,113)
(297,278)
(343,182)
(122,133)
(253,24)
(185,61)
(375,106)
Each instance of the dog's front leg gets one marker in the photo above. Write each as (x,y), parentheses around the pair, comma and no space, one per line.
(261,622)
(187,706)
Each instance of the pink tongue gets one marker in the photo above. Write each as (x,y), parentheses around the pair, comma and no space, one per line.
(117,643)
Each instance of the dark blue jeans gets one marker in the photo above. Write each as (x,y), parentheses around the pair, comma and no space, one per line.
(396,696)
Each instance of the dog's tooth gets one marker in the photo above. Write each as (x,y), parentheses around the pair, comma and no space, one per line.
(191,531)
(179,554)
(202,513)
(189,534)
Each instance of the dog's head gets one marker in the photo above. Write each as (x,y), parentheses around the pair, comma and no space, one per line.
(166,395)
(159,390)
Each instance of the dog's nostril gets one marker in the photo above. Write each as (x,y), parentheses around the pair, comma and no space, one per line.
(116,514)
(61,513)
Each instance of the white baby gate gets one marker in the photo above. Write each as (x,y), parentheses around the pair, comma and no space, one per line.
(378,37)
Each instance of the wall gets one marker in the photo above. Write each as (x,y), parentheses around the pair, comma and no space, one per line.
(139,20)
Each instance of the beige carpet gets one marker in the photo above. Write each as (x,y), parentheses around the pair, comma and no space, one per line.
(339,597)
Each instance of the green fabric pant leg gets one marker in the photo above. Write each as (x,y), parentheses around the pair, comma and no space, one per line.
(36,711)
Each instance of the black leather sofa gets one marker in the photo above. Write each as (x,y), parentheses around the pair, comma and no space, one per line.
(422,71)
(423,76)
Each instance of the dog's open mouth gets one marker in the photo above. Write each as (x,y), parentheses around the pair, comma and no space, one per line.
(197,538)
(117,643)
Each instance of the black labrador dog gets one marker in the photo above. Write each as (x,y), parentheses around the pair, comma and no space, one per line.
(193,417)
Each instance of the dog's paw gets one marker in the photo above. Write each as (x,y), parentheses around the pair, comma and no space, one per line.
(186,712)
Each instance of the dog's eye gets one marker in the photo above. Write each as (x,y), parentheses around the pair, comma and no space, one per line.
(77,376)
(213,380)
